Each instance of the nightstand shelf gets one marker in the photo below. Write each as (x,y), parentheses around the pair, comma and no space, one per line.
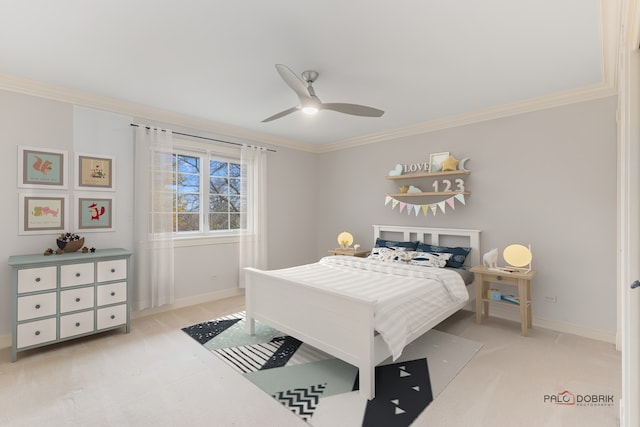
(522,280)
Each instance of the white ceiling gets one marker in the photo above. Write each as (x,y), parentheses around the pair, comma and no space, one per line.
(418,60)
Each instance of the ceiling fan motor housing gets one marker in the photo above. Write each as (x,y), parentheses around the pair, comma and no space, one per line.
(310,76)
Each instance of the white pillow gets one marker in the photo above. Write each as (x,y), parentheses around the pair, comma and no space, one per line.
(389,255)
(430,259)
(425,259)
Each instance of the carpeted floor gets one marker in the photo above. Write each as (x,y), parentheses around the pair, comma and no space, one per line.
(321,389)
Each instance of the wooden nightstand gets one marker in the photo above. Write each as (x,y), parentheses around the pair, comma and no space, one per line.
(349,252)
(522,280)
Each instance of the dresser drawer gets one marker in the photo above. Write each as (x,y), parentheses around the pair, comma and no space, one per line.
(112,293)
(76,299)
(76,324)
(112,270)
(34,306)
(36,279)
(76,274)
(38,332)
(111,316)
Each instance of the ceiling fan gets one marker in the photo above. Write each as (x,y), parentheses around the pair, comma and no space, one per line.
(310,103)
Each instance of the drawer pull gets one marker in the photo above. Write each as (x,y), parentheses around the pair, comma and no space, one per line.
(113,270)
(77,299)
(77,274)
(77,324)
(113,316)
(498,277)
(37,306)
(113,294)
(37,279)
(37,332)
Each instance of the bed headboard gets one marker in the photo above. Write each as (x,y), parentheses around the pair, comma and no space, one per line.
(435,236)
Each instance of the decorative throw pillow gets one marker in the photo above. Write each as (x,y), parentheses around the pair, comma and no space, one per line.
(395,245)
(385,254)
(430,259)
(458,254)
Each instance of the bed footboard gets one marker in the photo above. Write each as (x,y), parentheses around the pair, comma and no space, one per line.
(333,322)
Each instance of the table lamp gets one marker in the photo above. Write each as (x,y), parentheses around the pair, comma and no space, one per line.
(345,239)
(518,257)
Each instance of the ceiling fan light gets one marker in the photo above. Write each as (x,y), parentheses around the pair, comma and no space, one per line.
(310,110)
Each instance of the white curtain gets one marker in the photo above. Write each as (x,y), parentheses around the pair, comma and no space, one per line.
(153,218)
(253,219)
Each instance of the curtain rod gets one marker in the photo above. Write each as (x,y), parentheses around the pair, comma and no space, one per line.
(200,137)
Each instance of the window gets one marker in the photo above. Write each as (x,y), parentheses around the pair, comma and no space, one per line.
(207,193)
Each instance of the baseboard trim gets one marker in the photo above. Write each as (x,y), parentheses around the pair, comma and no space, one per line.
(188,302)
(554,325)
(5,340)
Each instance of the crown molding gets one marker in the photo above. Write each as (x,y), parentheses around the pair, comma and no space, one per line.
(75,97)
(85,99)
(555,100)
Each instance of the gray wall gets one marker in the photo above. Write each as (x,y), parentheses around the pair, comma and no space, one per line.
(546,178)
(201,271)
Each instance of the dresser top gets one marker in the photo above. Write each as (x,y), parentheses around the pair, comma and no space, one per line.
(64,257)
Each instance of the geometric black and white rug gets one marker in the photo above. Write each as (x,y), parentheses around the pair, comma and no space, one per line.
(321,389)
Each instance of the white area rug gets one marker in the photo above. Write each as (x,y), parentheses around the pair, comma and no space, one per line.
(321,389)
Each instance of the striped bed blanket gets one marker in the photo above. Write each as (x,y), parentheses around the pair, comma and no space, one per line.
(407,296)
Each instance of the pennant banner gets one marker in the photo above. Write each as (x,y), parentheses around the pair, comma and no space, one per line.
(433,207)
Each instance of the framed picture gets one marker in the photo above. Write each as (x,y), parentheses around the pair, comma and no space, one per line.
(95,172)
(42,213)
(435,161)
(94,213)
(42,168)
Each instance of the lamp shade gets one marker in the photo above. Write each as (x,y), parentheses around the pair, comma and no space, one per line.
(517,255)
(345,239)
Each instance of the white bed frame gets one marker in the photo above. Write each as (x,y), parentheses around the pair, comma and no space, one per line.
(333,322)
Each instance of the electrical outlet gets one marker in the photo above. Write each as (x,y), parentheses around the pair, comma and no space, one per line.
(551,299)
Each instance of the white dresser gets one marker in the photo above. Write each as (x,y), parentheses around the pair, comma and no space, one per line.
(60,297)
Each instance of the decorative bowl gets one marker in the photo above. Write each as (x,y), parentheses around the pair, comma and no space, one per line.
(70,245)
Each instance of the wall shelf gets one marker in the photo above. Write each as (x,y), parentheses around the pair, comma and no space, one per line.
(429,193)
(428,174)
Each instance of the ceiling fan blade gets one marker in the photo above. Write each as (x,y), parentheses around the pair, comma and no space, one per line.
(293,81)
(353,109)
(280,114)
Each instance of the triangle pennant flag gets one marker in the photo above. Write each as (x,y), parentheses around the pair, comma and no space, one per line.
(409,209)
(434,209)
(387,199)
(441,205)
(394,204)
(451,202)
(425,209)
(402,206)
(417,209)
(460,198)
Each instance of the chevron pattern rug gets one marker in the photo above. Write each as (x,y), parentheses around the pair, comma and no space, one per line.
(323,390)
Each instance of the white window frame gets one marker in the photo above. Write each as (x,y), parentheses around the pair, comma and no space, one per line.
(205,152)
